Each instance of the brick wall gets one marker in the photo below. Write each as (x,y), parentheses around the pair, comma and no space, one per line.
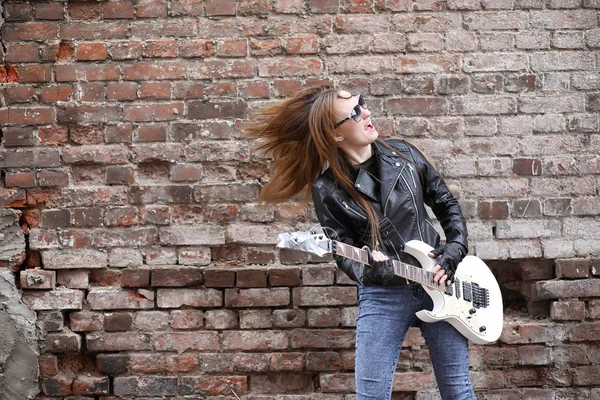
(149,263)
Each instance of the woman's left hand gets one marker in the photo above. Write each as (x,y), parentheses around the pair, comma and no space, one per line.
(450,255)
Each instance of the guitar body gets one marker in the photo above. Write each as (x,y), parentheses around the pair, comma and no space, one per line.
(480,325)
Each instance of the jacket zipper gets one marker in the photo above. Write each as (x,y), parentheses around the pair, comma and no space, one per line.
(396,181)
(351,209)
(412,176)
(412,196)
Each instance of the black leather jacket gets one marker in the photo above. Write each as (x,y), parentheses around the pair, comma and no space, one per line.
(408,181)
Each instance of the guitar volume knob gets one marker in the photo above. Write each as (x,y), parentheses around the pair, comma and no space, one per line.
(482,329)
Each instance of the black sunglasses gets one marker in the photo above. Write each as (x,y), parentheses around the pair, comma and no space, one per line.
(356,114)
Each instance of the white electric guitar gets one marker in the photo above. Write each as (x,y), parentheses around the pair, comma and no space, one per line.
(472,304)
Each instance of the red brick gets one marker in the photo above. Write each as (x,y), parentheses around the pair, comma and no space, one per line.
(324,6)
(527,167)
(197,48)
(74,279)
(182,341)
(118,341)
(91,52)
(118,9)
(57,385)
(181,363)
(323,361)
(86,321)
(130,50)
(121,216)
(221,319)
(37,279)
(52,135)
(52,11)
(251,278)
(20,179)
(220,7)
(284,277)
(101,299)
(122,91)
(307,44)
(286,362)
(174,298)
(232,48)
(194,255)
(86,217)
(219,278)
(152,71)
(61,343)
(156,214)
(20,94)
(155,112)
(111,364)
(324,296)
(90,385)
(187,319)
(160,49)
(55,218)
(585,331)
(135,278)
(155,90)
(147,363)
(50,178)
(15,32)
(254,340)
(573,268)
(151,8)
(289,67)
(81,10)
(257,297)
(323,317)
(176,277)
(118,321)
(492,209)
(260,256)
(105,278)
(186,172)
(48,365)
(318,276)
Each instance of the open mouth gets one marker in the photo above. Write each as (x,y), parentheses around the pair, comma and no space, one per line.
(369,126)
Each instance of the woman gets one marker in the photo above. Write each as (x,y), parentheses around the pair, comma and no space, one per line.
(370,193)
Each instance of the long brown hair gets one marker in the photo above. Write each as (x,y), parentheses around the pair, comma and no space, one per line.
(299,134)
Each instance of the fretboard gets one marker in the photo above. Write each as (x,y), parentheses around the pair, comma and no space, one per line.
(402,269)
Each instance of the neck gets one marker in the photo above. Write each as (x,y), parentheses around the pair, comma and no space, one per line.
(360,155)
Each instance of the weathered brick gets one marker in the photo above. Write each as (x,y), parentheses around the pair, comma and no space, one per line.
(111,364)
(86,321)
(74,279)
(177,277)
(192,236)
(565,289)
(322,338)
(151,320)
(118,341)
(145,386)
(108,299)
(254,340)
(268,297)
(174,298)
(61,343)
(57,299)
(182,341)
(567,310)
(320,296)
(187,319)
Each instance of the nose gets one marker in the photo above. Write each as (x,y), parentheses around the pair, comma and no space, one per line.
(366,113)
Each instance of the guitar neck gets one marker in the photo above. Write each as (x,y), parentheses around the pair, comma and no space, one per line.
(402,269)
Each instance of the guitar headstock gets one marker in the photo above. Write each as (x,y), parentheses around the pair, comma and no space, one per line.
(317,244)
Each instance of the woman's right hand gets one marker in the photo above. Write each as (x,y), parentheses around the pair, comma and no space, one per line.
(380,269)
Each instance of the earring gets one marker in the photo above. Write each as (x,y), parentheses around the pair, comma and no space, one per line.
(339,138)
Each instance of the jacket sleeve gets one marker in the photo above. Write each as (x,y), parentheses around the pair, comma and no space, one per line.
(325,208)
(443,204)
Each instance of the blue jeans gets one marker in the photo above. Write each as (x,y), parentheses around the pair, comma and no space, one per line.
(385,313)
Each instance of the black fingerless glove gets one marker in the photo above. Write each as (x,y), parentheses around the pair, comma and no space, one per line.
(450,255)
(379,272)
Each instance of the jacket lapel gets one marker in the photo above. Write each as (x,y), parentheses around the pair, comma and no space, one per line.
(390,167)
